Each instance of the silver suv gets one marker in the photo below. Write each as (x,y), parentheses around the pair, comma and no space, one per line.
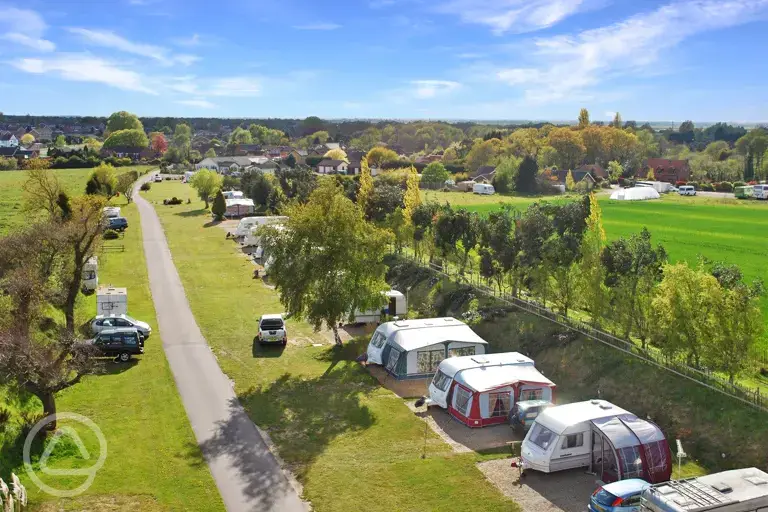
(272,330)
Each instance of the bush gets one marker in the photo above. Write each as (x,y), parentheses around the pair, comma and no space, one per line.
(460,176)
(605,184)
(111,234)
(706,187)
(724,186)
(753,182)
(680,183)
(146,186)
(173,200)
(738,184)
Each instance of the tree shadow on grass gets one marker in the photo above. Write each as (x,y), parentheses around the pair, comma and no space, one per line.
(212,223)
(192,213)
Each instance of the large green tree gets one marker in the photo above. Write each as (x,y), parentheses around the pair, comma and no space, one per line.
(129,138)
(583,118)
(123,121)
(206,182)
(434,175)
(328,262)
(594,293)
(219,207)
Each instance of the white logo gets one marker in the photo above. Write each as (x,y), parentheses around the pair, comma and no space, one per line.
(70,432)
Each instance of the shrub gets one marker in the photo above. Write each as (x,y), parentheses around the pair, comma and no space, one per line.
(460,176)
(5,417)
(694,184)
(111,234)
(680,183)
(173,200)
(707,187)
(753,182)
(724,186)
(738,184)
(146,186)
(605,184)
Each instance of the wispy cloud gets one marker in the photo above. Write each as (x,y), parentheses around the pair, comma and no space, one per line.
(24,27)
(239,87)
(199,103)
(427,89)
(318,26)
(109,39)
(513,15)
(86,68)
(570,64)
(192,41)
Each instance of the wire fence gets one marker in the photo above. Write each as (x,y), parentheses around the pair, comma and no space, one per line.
(749,395)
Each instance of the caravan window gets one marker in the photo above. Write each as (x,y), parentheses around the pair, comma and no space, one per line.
(441,381)
(427,361)
(531,394)
(462,399)
(394,356)
(463,351)
(378,340)
(498,404)
(573,441)
(541,436)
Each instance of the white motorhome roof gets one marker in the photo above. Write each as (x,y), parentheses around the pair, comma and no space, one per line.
(453,365)
(415,334)
(724,488)
(390,293)
(485,378)
(559,418)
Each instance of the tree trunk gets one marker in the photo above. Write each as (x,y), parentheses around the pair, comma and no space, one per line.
(49,405)
(206,203)
(69,305)
(336,336)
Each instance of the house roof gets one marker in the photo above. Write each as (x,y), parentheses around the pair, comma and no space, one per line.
(6,136)
(559,418)
(355,158)
(330,163)
(483,170)
(663,163)
(8,151)
(239,201)
(301,152)
(332,145)
(577,176)
(594,169)
(241,161)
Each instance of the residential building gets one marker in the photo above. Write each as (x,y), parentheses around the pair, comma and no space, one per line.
(122,152)
(595,170)
(223,164)
(483,174)
(355,162)
(8,140)
(329,166)
(578,176)
(670,171)
(45,132)
(247,150)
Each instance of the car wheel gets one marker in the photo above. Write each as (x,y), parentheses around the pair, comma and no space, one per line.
(124,357)
(285,342)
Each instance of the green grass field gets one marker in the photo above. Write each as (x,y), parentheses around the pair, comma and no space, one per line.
(153,462)
(12,198)
(352,444)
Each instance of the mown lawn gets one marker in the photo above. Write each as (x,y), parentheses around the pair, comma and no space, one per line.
(352,444)
(12,198)
(153,462)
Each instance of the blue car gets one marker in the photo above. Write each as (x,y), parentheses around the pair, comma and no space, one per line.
(117,223)
(621,496)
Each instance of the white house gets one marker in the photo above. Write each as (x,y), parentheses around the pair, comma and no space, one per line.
(330,166)
(225,163)
(8,140)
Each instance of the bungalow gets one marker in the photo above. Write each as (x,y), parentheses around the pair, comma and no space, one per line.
(355,162)
(247,150)
(329,166)
(595,170)
(483,174)
(268,166)
(223,164)
(300,155)
(670,171)
(46,133)
(8,140)
(578,176)
(17,152)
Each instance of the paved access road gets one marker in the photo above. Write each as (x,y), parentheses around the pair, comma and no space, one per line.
(246,473)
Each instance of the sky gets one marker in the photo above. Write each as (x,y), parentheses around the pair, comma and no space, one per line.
(650,60)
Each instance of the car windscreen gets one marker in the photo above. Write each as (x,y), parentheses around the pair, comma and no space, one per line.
(271,324)
(541,436)
(604,498)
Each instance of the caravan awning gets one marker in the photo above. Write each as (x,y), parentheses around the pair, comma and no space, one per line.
(413,339)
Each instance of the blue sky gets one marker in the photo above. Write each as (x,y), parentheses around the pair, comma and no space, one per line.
(456,59)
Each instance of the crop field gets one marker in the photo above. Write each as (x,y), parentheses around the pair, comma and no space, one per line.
(12,197)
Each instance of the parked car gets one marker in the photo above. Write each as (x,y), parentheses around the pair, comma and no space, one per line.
(272,330)
(621,496)
(158,178)
(121,343)
(524,413)
(102,322)
(117,223)
(686,190)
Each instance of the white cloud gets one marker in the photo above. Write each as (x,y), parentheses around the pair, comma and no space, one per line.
(109,39)
(239,87)
(86,68)
(610,115)
(513,15)
(572,64)
(318,26)
(192,41)
(199,102)
(426,89)
(24,27)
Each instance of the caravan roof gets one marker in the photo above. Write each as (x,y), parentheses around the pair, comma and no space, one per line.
(414,334)
(454,365)
(485,378)
(711,492)
(558,419)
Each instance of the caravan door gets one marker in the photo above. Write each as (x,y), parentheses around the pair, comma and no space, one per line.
(604,462)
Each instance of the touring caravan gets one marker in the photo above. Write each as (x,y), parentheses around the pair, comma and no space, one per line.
(614,443)
(91,274)
(238,207)
(232,194)
(246,224)
(253,239)
(396,306)
(760,191)
(481,390)
(738,490)
(483,188)
(111,301)
(411,349)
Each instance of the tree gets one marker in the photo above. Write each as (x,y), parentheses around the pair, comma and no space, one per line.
(434,175)
(35,163)
(526,176)
(27,139)
(385,199)
(718,150)
(123,121)
(450,155)
(103,181)
(93,144)
(467,226)
(322,274)
(366,185)
(569,146)
(195,156)
(290,161)
(686,127)
(127,138)
(570,184)
(312,124)
(60,141)
(125,184)
(240,136)
(219,206)
(337,154)
(41,192)
(506,174)
(182,141)
(211,153)
(583,118)
(412,196)
(525,142)
(378,156)
(401,227)
(616,123)
(547,158)
(206,182)
(651,174)
(483,152)
(592,273)
(159,143)
(615,170)
(261,187)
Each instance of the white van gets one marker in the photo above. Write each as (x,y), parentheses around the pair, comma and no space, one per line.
(760,191)
(483,188)
(686,190)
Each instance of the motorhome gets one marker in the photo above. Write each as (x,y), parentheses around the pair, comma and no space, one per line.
(614,443)
(483,188)
(412,349)
(738,490)
(481,390)
(91,274)
(396,306)
(760,191)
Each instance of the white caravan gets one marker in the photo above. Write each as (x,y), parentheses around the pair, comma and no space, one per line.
(91,274)
(484,189)
(244,226)
(111,301)
(110,212)
(760,191)
(232,194)
(396,306)
(253,239)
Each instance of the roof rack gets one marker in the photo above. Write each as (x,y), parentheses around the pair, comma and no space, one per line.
(694,495)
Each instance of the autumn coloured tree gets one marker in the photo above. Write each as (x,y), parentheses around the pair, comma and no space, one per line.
(365,192)
(159,143)
(412,196)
